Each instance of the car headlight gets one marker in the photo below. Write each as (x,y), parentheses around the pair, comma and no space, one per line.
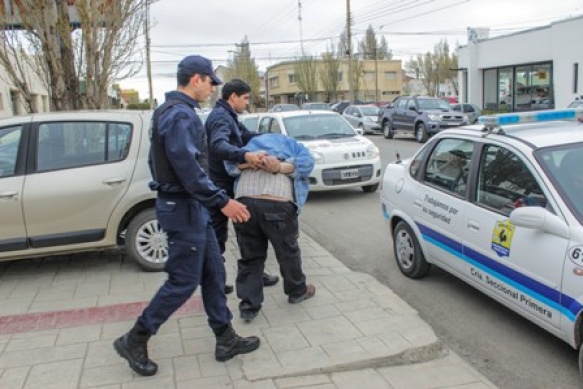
(369,119)
(372,151)
(434,117)
(318,157)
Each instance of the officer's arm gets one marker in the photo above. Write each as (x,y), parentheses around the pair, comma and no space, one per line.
(219,131)
(180,145)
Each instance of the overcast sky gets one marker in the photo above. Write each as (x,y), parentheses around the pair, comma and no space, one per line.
(213,27)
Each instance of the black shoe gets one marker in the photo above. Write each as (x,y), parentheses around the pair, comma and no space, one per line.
(309,293)
(229,289)
(229,344)
(248,315)
(136,353)
(269,280)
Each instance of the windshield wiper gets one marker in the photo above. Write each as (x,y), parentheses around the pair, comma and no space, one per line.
(305,137)
(333,135)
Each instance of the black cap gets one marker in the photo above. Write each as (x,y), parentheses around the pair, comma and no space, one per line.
(201,65)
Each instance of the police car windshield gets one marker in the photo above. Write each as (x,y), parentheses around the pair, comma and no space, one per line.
(563,164)
(314,126)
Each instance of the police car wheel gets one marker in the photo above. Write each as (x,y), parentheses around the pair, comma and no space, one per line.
(581,362)
(408,254)
(145,241)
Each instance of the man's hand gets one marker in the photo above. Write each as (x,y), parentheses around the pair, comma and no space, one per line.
(271,164)
(255,160)
(236,211)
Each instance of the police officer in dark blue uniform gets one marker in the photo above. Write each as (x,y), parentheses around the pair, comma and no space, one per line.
(226,137)
(179,162)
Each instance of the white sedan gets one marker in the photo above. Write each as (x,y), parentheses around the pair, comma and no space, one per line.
(344,158)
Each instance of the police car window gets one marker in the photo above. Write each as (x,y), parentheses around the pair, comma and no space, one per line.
(264,126)
(73,144)
(416,162)
(9,142)
(275,127)
(448,165)
(505,182)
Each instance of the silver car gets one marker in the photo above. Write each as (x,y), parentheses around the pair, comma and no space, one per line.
(472,111)
(364,117)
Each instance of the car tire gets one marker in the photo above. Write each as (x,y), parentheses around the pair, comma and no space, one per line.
(361,127)
(388,132)
(408,254)
(145,241)
(581,362)
(370,188)
(421,133)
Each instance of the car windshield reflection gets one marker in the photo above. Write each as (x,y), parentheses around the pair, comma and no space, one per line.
(318,127)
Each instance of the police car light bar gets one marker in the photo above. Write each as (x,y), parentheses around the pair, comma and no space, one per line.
(530,117)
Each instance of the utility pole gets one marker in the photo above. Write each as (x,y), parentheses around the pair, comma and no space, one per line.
(349,51)
(300,22)
(148,61)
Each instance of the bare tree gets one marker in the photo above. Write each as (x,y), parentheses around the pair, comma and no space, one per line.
(330,75)
(371,48)
(243,66)
(305,71)
(78,48)
(435,68)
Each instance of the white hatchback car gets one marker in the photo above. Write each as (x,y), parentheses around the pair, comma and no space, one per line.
(344,158)
(499,205)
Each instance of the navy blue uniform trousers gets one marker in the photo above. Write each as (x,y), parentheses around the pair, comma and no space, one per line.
(193,259)
(274,222)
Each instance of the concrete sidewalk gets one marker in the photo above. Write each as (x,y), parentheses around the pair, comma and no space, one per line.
(58,319)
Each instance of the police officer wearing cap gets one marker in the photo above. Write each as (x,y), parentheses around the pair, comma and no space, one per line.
(179,164)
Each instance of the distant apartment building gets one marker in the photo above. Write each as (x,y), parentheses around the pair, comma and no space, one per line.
(385,76)
(129,96)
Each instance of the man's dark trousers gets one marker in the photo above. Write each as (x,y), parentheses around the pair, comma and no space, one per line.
(220,222)
(193,259)
(275,222)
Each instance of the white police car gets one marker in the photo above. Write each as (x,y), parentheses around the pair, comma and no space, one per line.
(344,158)
(499,205)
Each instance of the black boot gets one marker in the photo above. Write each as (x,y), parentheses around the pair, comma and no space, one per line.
(230,344)
(133,346)
(229,289)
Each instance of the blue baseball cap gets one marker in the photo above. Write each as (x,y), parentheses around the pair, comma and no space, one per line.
(201,65)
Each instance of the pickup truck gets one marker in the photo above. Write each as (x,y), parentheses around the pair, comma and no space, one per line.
(422,116)
(78,181)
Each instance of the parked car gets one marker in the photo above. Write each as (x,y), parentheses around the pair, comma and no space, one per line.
(422,116)
(284,107)
(472,111)
(78,181)
(313,106)
(344,159)
(340,106)
(500,208)
(250,120)
(364,117)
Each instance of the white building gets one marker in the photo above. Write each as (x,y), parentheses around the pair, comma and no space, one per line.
(533,69)
(11,101)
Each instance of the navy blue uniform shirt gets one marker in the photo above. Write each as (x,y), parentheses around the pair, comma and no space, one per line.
(226,137)
(183,136)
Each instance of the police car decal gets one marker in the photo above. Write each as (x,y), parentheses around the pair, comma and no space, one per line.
(576,255)
(527,291)
(502,238)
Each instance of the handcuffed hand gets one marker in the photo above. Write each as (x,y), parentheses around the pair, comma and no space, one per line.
(236,211)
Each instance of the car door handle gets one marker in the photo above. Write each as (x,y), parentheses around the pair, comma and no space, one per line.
(113,181)
(8,194)
(472,225)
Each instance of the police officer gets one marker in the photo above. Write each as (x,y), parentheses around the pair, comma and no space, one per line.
(185,196)
(226,137)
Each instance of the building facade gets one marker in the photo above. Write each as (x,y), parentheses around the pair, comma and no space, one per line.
(533,69)
(378,81)
(11,100)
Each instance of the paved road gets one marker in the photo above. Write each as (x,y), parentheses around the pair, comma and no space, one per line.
(509,350)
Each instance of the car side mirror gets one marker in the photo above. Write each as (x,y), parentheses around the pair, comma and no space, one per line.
(539,218)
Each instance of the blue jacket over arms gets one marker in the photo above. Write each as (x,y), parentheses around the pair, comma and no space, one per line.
(288,150)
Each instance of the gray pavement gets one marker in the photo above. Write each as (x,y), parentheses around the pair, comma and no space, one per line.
(58,318)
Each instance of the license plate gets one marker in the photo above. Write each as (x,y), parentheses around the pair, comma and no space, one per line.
(348,173)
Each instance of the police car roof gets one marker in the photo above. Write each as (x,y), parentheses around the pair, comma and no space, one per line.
(541,133)
(288,114)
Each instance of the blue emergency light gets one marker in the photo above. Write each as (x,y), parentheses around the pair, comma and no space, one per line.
(531,117)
